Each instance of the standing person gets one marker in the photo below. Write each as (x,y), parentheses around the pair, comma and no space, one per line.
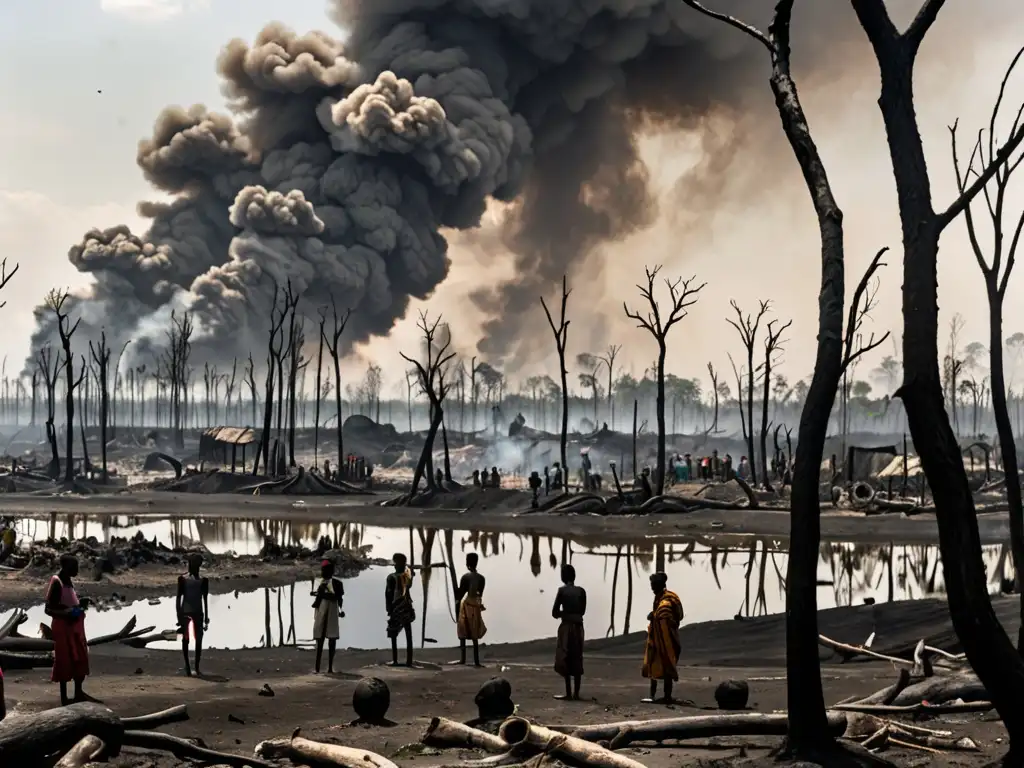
(398,602)
(570,606)
(661,652)
(470,598)
(330,597)
(193,607)
(70,650)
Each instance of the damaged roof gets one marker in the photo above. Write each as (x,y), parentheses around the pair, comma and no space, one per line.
(231,435)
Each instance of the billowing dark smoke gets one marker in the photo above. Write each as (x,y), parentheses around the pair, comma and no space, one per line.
(344,161)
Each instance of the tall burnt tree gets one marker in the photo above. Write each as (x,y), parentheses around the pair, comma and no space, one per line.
(119,383)
(747,327)
(56,301)
(431,373)
(48,366)
(682,294)
(230,390)
(250,379)
(278,316)
(772,345)
(996,263)
(297,363)
(713,374)
(100,354)
(608,359)
(319,388)
(986,644)
(175,363)
(561,332)
(808,737)
(333,343)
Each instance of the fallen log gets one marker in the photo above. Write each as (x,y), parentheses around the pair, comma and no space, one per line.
(516,730)
(184,749)
(143,641)
(937,689)
(622,734)
(861,726)
(914,709)
(27,739)
(178,714)
(85,751)
(16,619)
(315,753)
(887,694)
(442,732)
(30,644)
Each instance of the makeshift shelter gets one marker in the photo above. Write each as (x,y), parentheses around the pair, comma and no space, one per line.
(216,443)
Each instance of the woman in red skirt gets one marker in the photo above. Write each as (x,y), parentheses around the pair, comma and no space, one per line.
(70,650)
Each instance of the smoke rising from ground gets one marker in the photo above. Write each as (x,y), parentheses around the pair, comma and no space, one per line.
(343,161)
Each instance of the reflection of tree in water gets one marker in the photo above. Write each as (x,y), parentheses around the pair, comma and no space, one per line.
(283,637)
(535,554)
(427,548)
(552,560)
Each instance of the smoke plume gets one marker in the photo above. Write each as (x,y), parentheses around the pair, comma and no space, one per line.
(342,162)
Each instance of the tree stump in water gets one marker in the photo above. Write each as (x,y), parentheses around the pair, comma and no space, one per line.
(732,694)
(494,699)
(371,699)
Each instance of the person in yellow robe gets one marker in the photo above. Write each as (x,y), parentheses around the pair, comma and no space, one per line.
(470,624)
(661,652)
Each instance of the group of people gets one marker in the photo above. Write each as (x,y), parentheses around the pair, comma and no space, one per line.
(661,654)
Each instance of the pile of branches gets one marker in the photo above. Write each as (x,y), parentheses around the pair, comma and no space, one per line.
(119,554)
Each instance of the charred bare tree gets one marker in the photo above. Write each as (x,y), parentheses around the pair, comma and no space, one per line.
(230,385)
(738,373)
(35,394)
(561,332)
(278,316)
(609,363)
(297,363)
(747,327)
(48,366)
(996,267)
(210,376)
(682,295)
(333,343)
(250,379)
(431,373)
(319,389)
(772,345)
(987,647)
(179,348)
(808,736)
(56,301)
(714,392)
(100,354)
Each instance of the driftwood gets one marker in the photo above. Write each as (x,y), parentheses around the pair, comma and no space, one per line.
(11,625)
(879,732)
(186,750)
(26,739)
(914,709)
(885,695)
(143,641)
(919,666)
(315,753)
(11,661)
(178,714)
(622,734)
(442,732)
(570,749)
(85,751)
(964,686)
(30,644)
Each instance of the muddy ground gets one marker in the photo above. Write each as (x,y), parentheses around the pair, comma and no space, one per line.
(228,714)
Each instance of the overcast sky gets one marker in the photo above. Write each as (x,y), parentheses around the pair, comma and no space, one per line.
(85,78)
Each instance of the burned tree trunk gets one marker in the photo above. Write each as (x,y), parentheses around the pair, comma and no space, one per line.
(772,344)
(333,343)
(747,327)
(561,332)
(48,366)
(319,391)
(65,329)
(985,643)
(101,358)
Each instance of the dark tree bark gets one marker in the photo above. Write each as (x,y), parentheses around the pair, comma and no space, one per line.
(319,389)
(772,344)
(808,735)
(682,295)
(101,358)
(986,645)
(48,365)
(714,391)
(333,343)
(996,270)
(609,362)
(66,330)
(561,332)
(747,328)
(278,315)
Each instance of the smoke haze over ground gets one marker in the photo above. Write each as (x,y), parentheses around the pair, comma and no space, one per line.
(344,162)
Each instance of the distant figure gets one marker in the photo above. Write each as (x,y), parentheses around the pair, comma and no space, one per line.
(469,596)
(330,597)
(743,470)
(192,606)
(476,477)
(672,475)
(645,484)
(70,649)
(439,478)
(586,466)
(495,478)
(8,540)
(398,603)
(483,478)
(682,471)
(547,481)
(557,483)
(727,468)
(570,606)
(535,484)
(327,468)
(716,465)
(661,652)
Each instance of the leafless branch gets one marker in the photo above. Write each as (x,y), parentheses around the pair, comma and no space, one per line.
(682,295)
(864,302)
(747,29)
(562,330)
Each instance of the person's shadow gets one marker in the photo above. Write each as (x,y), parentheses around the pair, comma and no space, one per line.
(212,678)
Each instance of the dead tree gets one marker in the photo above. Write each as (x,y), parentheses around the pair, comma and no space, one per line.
(609,362)
(714,391)
(682,295)
(230,384)
(747,327)
(561,332)
(986,644)
(808,734)
(738,373)
(179,348)
(35,395)
(210,375)
(996,268)
(319,388)
(297,363)
(56,301)
(48,366)
(100,354)
(250,379)
(431,380)
(772,345)
(333,344)
(278,316)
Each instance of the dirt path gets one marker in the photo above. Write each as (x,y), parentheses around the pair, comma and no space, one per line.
(502,517)
(229,715)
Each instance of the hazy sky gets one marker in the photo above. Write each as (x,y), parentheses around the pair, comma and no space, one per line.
(85,78)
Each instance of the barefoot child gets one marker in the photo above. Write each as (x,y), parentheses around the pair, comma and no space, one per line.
(570,606)
(330,596)
(193,608)
(661,653)
(70,650)
(398,603)
(470,623)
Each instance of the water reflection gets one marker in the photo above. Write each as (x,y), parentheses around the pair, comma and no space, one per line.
(717,577)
